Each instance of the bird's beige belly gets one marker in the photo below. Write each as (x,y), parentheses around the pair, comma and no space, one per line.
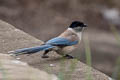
(66,50)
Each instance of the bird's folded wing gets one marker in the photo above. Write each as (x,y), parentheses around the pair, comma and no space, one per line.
(58,41)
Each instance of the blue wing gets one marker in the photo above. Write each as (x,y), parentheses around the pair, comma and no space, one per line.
(61,42)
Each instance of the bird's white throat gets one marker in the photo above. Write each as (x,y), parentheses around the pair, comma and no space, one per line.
(79,34)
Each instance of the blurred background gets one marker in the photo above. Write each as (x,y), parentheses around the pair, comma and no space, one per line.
(45,19)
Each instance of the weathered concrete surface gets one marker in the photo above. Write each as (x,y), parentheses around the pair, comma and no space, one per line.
(11,69)
(12,38)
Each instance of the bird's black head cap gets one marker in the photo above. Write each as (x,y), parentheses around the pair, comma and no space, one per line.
(77,24)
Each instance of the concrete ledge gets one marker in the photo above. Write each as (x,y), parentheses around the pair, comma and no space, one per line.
(12,38)
(11,69)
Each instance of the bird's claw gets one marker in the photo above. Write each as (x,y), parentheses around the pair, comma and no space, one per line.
(69,56)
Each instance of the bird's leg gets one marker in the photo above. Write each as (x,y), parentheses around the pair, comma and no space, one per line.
(45,54)
(68,56)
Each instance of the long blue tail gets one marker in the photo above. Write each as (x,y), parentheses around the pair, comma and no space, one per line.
(31,50)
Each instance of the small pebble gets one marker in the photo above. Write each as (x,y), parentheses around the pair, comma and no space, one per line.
(52,65)
(18,58)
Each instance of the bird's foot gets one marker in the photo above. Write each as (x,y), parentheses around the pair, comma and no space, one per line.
(45,56)
(69,56)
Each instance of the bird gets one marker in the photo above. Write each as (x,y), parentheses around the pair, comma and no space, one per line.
(63,44)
